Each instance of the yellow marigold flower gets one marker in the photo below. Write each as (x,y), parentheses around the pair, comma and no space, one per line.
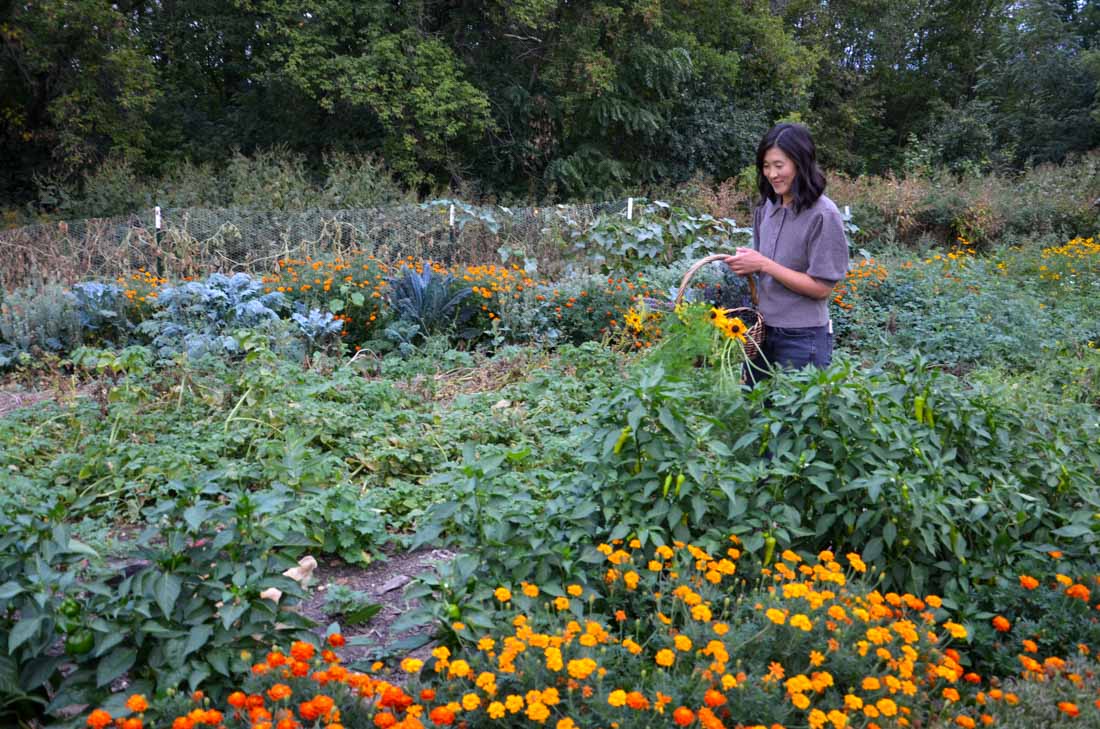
(821,680)
(582,668)
(538,712)
(617,698)
(728,682)
(486,644)
(838,719)
(442,653)
(631,579)
(459,669)
(631,646)
(654,566)
(529,590)
(776,616)
(721,628)
(513,703)
(496,710)
(561,603)
(800,701)
(870,683)
(790,556)
(934,601)
(565,723)
(816,658)
(411,665)
(604,549)
(575,590)
(664,552)
(471,701)
(503,594)
(665,658)
(957,631)
(886,707)
(801,622)
(817,719)
(856,562)
(682,643)
(701,613)
(853,702)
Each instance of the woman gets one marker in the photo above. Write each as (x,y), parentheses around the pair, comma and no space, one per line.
(798,253)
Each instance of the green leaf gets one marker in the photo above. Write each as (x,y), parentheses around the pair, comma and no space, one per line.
(114,665)
(23,631)
(197,638)
(9,590)
(166,592)
(1074,531)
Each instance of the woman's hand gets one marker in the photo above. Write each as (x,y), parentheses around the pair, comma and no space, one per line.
(746,261)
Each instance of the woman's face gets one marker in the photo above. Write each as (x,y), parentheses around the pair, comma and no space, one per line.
(779,169)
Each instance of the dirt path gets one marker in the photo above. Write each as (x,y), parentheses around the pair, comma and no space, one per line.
(384,582)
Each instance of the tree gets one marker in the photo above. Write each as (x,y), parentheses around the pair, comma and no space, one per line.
(76,84)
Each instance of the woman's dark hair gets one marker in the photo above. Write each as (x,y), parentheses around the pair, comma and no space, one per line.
(795,141)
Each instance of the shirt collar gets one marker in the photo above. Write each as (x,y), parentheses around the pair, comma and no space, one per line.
(772,207)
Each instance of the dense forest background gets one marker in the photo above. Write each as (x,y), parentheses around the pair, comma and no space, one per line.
(530,100)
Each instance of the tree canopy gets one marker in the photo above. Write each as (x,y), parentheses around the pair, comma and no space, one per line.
(536,99)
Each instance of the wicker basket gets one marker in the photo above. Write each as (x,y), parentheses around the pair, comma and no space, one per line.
(754,337)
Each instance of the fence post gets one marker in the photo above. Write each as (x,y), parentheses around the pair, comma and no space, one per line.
(156,239)
(451,226)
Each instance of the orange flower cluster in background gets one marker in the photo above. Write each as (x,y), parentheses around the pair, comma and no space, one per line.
(141,286)
(867,273)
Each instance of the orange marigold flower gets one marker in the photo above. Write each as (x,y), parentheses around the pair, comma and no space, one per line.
(1069,708)
(137,703)
(665,657)
(965,721)
(1079,592)
(714,698)
(683,716)
(336,640)
(384,720)
(442,715)
(279,691)
(1028,582)
(302,651)
(237,699)
(131,723)
(1030,646)
(1001,624)
(99,719)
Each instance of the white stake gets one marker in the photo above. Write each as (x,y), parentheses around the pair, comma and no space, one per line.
(156,216)
(452,216)
(630,208)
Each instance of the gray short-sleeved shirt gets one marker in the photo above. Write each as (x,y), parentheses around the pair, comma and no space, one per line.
(811,242)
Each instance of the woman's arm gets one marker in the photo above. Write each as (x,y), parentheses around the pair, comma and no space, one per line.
(749,261)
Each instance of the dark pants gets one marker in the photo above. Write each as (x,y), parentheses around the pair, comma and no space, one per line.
(791,347)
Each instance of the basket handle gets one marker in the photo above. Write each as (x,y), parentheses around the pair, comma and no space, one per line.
(698,265)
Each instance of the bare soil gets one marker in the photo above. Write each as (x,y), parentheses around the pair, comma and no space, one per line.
(384,581)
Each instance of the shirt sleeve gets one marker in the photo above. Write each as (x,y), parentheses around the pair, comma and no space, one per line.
(756,215)
(827,248)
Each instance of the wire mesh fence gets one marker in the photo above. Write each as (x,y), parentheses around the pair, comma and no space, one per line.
(198,241)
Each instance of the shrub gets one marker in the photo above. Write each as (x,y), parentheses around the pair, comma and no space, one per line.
(46,319)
